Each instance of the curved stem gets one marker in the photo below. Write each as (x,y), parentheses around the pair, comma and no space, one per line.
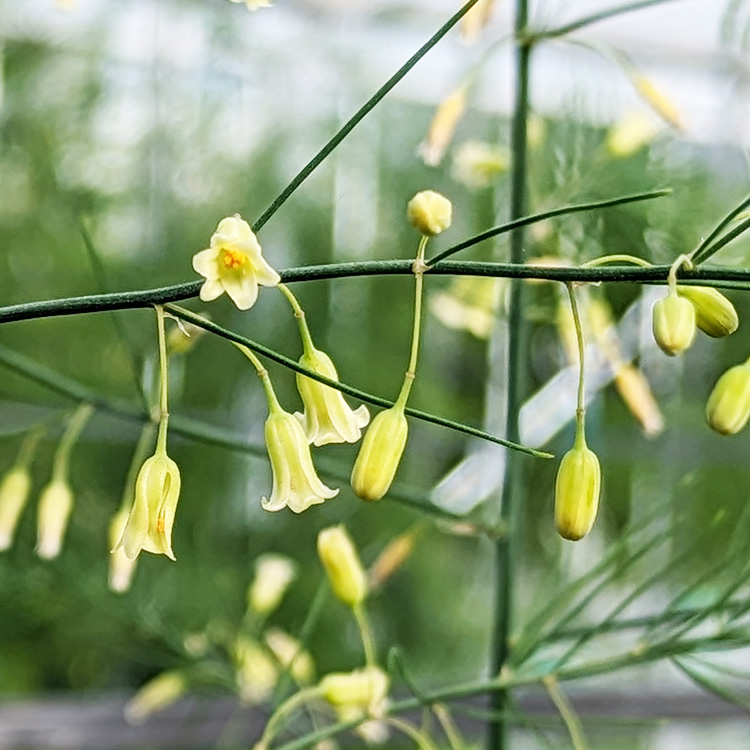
(617,258)
(273,401)
(680,262)
(405,728)
(161,440)
(62,456)
(299,313)
(289,705)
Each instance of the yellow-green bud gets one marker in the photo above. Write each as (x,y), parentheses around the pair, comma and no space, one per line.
(273,574)
(577,492)
(365,689)
(714,313)
(14,492)
(728,407)
(341,561)
(290,655)
(429,212)
(673,324)
(380,454)
(155,695)
(55,504)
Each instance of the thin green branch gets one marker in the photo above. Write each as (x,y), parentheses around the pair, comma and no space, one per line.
(602,15)
(725,239)
(208,325)
(699,251)
(360,115)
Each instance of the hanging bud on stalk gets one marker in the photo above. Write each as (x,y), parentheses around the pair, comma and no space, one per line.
(715,315)
(673,324)
(577,492)
(55,505)
(728,407)
(14,492)
(341,561)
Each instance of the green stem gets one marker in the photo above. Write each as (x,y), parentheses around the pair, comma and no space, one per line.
(617,258)
(581,398)
(567,714)
(62,456)
(506,546)
(299,313)
(360,115)
(161,440)
(273,402)
(365,632)
(404,727)
(28,447)
(291,704)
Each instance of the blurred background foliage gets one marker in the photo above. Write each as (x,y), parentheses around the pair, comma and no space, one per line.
(147,122)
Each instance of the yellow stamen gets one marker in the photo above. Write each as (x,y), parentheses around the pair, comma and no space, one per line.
(233,258)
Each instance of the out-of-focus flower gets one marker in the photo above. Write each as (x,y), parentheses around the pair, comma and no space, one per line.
(364,690)
(476,163)
(14,493)
(290,655)
(396,553)
(380,454)
(715,315)
(327,418)
(295,483)
(658,101)
(273,574)
(429,212)
(254,4)
(630,134)
(234,264)
(536,130)
(149,525)
(55,504)
(341,562)
(470,304)
(66,4)
(636,392)
(673,322)
(155,695)
(443,126)
(121,567)
(577,492)
(476,19)
(728,407)
(256,671)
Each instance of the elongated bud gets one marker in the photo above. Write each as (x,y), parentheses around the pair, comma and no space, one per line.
(429,212)
(273,574)
(577,492)
(341,561)
(392,558)
(155,695)
(55,504)
(636,392)
(365,689)
(380,454)
(257,673)
(14,492)
(728,407)
(714,313)
(673,324)
(443,126)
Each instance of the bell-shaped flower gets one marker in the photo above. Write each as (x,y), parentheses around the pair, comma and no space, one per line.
(121,567)
(14,492)
(295,483)
(149,525)
(55,504)
(234,264)
(341,562)
(380,454)
(327,418)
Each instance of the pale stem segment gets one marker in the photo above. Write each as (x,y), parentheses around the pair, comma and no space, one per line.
(617,258)
(581,398)
(62,456)
(290,704)
(419,738)
(568,715)
(273,401)
(299,313)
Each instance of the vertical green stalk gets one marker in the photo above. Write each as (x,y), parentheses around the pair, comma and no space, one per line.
(505,554)
(161,440)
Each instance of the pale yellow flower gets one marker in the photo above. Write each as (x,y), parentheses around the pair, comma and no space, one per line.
(443,126)
(155,695)
(477,163)
(55,504)
(364,690)
(121,567)
(14,492)
(343,568)
(234,264)
(295,483)
(149,525)
(273,574)
(290,655)
(256,671)
(327,418)
(254,4)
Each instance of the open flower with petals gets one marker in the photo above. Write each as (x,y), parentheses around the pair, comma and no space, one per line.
(327,418)
(295,483)
(149,525)
(234,264)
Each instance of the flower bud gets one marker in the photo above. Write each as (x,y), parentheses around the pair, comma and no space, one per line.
(273,574)
(365,689)
(429,212)
(55,504)
(673,324)
(714,313)
(380,454)
(339,557)
(577,492)
(291,656)
(155,695)
(257,674)
(391,558)
(728,407)
(14,492)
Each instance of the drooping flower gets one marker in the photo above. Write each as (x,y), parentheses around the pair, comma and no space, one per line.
(577,492)
(234,264)
(327,418)
(14,492)
(380,454)
(343,568)
(673,322)
(149,525)
(295,482)
(273,574)
(55,504)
